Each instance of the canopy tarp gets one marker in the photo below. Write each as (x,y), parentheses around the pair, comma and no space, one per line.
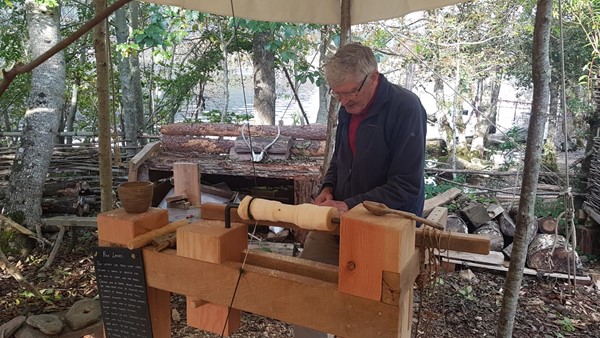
(309,11)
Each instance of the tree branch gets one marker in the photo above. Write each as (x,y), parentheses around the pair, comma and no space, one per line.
(24,68)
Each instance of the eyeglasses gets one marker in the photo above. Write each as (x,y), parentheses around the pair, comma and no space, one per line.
(351,94)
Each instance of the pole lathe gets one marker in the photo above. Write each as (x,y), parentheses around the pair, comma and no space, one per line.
(369,295)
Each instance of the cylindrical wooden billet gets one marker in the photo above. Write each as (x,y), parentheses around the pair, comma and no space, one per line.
(306,216)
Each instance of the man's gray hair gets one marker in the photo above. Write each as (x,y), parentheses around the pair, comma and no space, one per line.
(351,62)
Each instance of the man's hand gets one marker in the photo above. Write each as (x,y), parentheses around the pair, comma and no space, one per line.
(339,205)
(325,195)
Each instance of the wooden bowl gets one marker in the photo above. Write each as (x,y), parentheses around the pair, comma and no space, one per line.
(136,197)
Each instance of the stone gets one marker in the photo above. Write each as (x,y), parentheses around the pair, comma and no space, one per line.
(9,328)
(48,324)
(83,313)
(94,331)
(27,331)
(468,275)
(477,214)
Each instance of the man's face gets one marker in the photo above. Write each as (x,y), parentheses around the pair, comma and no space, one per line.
(353,95)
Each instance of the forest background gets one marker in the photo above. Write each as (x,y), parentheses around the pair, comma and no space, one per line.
(168,64)
(162,60)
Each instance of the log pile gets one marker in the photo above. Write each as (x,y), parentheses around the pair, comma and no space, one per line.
(73,184)
(547,252)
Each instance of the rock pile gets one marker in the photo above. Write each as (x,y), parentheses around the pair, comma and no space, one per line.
(83,319)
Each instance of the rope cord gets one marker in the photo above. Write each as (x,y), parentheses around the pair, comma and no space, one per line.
(252,236)
(569,204)
(430,278)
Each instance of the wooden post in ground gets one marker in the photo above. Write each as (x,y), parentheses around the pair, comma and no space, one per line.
(117,228)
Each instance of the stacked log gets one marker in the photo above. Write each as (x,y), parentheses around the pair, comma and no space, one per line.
(551,253)
(218,138)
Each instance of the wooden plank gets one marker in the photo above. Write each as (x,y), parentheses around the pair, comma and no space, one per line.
(494,257)
(584,280)
(439,215)
(186,177)
(440,199)
(283,296)
(139,158)
(445,240)
(295,265)
(71,221)
(372,244)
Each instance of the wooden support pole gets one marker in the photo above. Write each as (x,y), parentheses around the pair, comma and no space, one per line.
(210,241)
(186,177)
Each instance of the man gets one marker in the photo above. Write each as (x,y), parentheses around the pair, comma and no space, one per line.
(379,148)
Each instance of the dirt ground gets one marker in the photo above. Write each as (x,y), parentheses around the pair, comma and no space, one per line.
(456,307)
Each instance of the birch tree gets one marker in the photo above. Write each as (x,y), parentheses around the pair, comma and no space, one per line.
(45,102)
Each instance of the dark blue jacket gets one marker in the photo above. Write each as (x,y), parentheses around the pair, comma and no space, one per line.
(390,153)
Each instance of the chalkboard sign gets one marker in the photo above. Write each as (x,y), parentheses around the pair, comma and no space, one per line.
(123,298)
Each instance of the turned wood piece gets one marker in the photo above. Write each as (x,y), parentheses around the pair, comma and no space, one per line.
(306,216)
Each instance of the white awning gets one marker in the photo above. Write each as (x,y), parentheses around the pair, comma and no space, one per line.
(309,11)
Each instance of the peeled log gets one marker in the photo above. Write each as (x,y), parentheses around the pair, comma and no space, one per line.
(491,229)
(456,224)
(309,132)
(541,256)
(193,144)
(547,225)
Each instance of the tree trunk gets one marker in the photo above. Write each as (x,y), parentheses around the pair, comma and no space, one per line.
(334,104)
(46,100)
(486,117)
(128,105)
(533,152)
(552,115)
(443,125)
(323,94)
(549,159)
(104,140)
(264,79)
(495,94)
(136,81)
(72,111)
(224,46)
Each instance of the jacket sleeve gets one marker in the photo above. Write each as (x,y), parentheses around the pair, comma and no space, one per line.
(405,130)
